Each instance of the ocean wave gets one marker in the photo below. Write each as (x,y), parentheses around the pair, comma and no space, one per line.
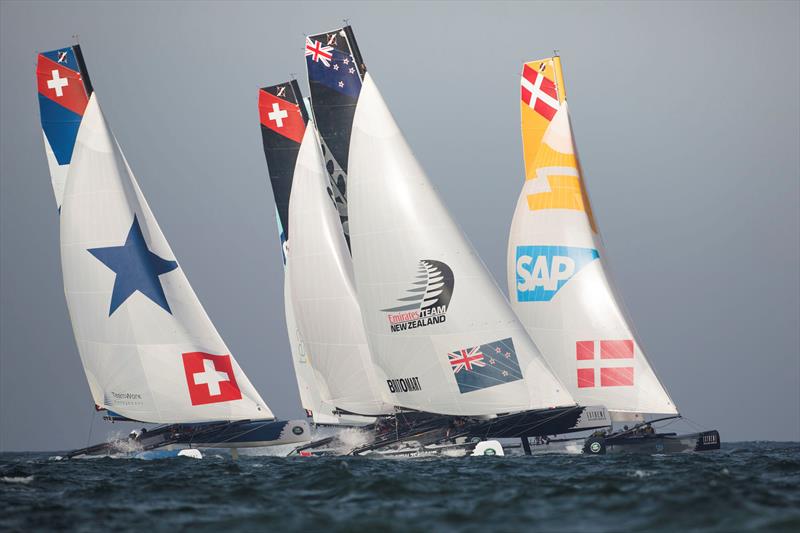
(745,487)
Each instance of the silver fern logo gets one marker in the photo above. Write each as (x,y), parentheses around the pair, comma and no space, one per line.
(426,302)
(337,188)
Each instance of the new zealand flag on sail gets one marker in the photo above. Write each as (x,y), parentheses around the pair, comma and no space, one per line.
(335,71)
(487,365)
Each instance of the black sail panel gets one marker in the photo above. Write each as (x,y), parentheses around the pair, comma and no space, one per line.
(283,122)
(335,72)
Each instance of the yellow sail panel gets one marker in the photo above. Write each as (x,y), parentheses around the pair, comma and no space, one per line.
(541,93)
(551,165)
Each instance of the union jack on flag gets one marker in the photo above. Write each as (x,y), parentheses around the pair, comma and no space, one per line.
(466,359)
(318,52)
(487,365)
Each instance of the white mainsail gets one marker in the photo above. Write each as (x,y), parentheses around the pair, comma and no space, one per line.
(437,324)
(322,290)
(148,348)
(557,281)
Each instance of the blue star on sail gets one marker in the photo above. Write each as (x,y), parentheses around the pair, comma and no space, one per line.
(137,269)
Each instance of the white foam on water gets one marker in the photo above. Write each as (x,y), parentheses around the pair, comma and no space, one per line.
(191,453)
(281,450)
(354,437)
(17,479)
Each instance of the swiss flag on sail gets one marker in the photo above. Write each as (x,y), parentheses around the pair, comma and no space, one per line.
(611,375)
(61,85)
(210,378)
(281,116)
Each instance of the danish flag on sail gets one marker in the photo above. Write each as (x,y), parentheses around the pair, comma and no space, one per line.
(610,376)
(539,92)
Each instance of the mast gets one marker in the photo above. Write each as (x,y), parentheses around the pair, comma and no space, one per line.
(557,279)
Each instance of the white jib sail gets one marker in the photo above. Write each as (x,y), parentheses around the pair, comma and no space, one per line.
(322,290)
(311,386)
(438,325)
(148,348)
(559,288)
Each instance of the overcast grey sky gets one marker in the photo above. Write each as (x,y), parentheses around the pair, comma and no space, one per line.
(686,116)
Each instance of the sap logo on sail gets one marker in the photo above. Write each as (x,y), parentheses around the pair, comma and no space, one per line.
(426,302)
(543,270)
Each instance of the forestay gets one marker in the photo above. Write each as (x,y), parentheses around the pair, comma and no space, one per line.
(149,350)
(557,281)
(437,324)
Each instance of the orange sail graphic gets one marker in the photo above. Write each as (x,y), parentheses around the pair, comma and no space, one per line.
(551,163)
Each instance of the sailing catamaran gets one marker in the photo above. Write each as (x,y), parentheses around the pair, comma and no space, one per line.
(149,350)
(560,289)
(329,346)
(458,360)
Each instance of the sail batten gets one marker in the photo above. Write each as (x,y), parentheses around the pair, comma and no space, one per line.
(558,282)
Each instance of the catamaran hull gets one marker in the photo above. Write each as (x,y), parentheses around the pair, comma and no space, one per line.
(255,434)
(631,444)
(174,437)
(653,444)
(557,421)
(412,450)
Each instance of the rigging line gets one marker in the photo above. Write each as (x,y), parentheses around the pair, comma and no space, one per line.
(91,426)
(669,423)
(694,424)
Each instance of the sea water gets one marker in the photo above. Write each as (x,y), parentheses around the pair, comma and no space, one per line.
(743,487)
